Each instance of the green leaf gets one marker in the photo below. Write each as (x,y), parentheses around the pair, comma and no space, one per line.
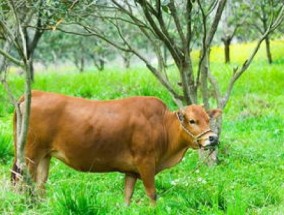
(165,9)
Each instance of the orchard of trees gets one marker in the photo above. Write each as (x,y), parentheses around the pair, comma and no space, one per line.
(98,31)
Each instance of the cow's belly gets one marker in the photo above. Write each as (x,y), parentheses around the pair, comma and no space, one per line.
(94,162)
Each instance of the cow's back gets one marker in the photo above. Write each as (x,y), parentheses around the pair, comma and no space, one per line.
(95,135)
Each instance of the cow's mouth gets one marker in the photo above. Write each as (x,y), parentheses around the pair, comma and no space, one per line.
(208,147)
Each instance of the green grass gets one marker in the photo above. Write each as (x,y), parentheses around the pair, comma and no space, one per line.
(248,180)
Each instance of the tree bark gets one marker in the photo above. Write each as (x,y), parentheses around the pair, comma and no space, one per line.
(227,43)
(82,64)
(100,64)
(189,90)
(31,46)
(268,50)
(211,157)
(79,63)
(165,55)
(204,80)
(31,68)
(126,59)
(23,117)
(265,24)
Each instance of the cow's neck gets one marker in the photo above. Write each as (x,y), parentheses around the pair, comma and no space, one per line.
(175,146)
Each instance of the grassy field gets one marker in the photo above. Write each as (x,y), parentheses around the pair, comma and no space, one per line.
(248,180)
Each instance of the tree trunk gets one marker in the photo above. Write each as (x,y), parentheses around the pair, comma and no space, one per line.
(264,20)
(82,65)
(31,47)
(101,64)
(54,57)
(23,116)
(165,56)
(31,67)
(79,63)
(268,51)
(227,43)
(204,80)
(210,157)
(187,82)
(126,61)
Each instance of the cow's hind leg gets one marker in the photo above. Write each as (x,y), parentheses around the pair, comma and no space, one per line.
(38,167)
(42,174)
(130,181)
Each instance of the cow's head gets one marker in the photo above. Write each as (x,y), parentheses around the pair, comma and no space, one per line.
(195,124)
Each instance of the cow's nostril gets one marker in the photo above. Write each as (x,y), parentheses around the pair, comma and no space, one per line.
(213,139)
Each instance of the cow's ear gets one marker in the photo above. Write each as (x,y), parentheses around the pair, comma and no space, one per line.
(180,115)
(214,113)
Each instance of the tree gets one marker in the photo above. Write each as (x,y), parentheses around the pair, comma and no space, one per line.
(37,17)
(17,47)
(102,49)
(72,48)
(172,24)
(156,24)
(14,38)
(32,39)
(262,14)
(30,13)
(160,24)
(233,18)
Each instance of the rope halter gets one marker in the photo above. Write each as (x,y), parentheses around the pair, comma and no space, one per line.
(196,138)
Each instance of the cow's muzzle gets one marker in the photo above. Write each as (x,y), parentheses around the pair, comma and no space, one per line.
(212,142)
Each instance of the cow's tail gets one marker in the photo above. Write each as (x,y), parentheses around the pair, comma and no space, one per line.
(16,172)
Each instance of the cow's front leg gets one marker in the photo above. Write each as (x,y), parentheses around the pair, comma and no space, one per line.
(130,181)
(147,174)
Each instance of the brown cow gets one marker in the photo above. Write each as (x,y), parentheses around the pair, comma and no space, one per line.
(137,136)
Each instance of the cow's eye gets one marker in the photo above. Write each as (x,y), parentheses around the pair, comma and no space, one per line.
(192,121)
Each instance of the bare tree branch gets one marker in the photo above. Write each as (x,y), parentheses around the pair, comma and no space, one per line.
(93,32)
(9,35)
(215,22)
(11,58)
(238,72)
(162,34)
(173,10)
(216,88)
(129,13)
(211,7)
(188,22)
(202,71)
(204,45)
(156,72)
